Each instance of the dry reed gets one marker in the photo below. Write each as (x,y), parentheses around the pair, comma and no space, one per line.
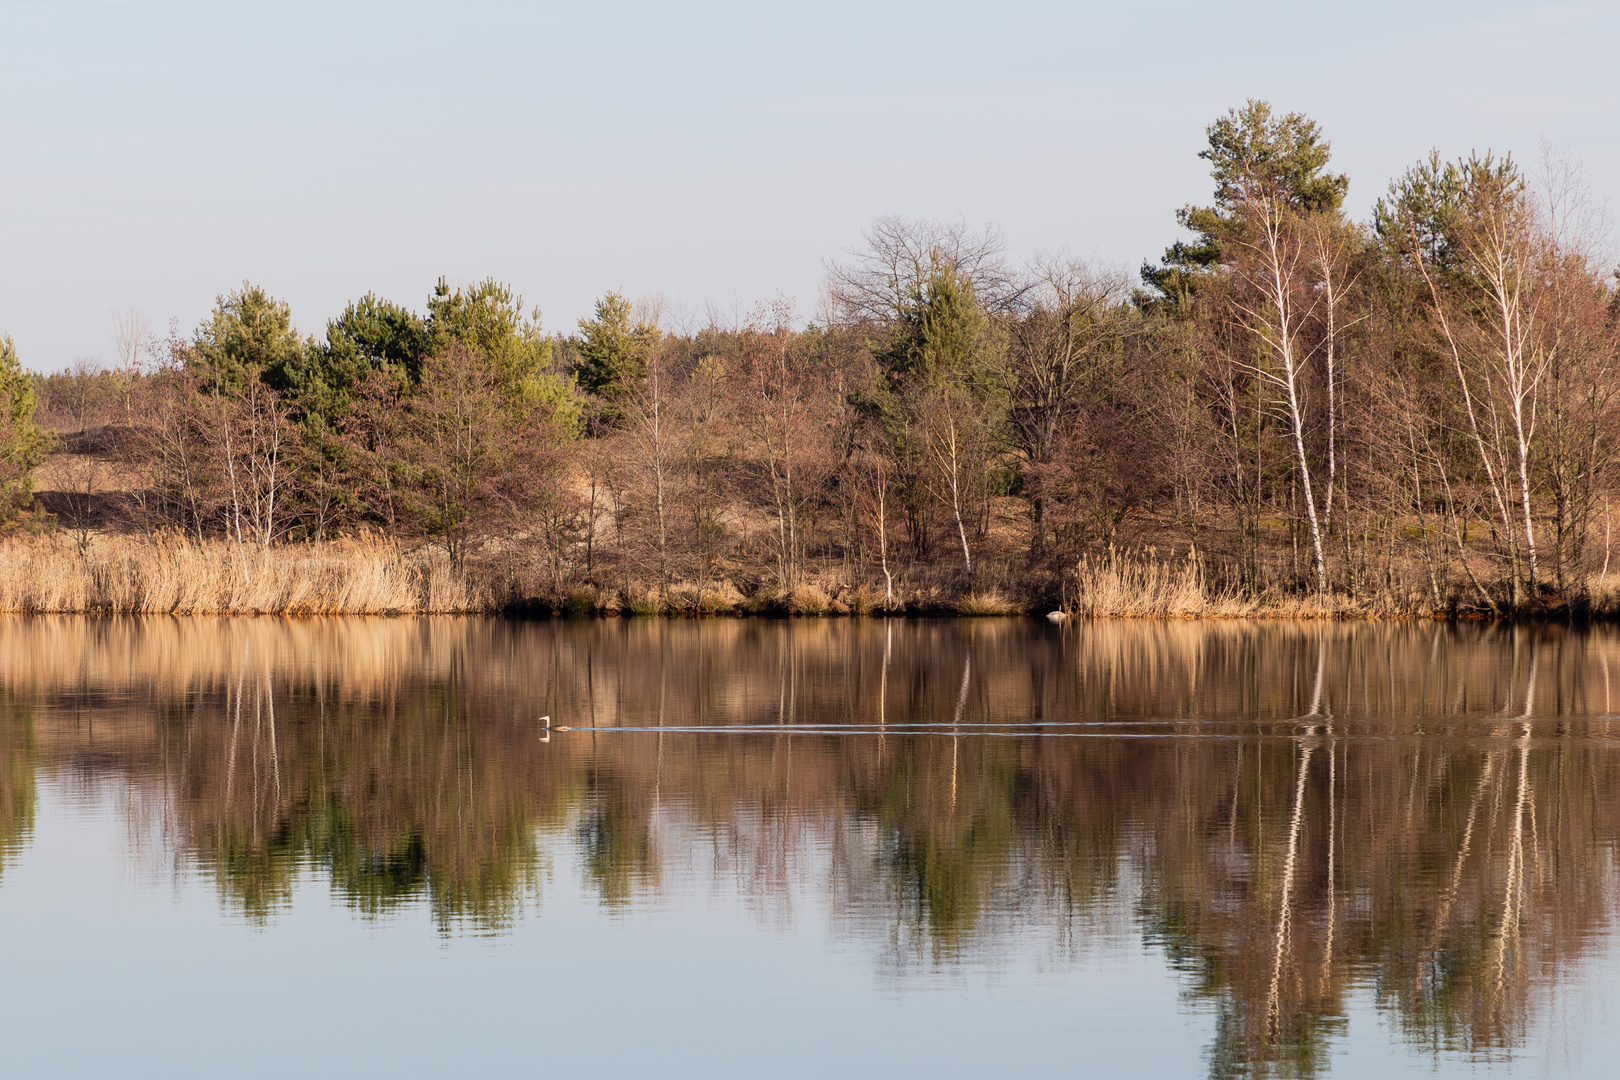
(172,575)
(1145,585)
(1116,584)
(169,574)
(987,602)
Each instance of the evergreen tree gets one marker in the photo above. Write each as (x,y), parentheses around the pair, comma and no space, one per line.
(249,335)
(942,336)
(374,335)
(940,401)
(488,319)
(1251,152)
(1432,204)
(612,349)
(22,443)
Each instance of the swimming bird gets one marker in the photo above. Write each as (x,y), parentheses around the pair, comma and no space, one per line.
(1056,616)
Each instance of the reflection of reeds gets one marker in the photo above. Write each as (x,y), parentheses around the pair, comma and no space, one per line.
(173,575)
(159,659)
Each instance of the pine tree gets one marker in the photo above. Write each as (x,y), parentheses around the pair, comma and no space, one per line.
(1284,157)
(249,335)
(22,443)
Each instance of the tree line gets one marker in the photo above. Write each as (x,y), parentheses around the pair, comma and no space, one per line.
(1416,410)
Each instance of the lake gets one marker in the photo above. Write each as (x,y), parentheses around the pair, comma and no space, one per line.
(255,847)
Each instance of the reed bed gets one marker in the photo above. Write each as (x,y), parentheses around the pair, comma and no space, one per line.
(1117,584)
(1144,585)
(174,575)
(171,574)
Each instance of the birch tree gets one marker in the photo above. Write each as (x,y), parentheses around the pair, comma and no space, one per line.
(1470,230)
(953,434)
(1287,294)
(1265,276)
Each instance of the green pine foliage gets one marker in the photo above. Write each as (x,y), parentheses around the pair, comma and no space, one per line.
(1252,147)
(943,340)
(22,444)
(373,336)
(1430,204)
(488,318)
(611,349)
(249,335)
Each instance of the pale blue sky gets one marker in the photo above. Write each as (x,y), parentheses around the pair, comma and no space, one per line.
(155,154)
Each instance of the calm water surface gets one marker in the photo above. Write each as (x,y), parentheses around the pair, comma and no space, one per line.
(811,848)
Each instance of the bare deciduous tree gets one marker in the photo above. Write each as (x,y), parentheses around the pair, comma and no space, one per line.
(1065,343)
(787,452)
(877,283)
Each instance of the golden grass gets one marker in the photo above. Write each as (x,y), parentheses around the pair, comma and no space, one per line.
(1604,593)
(169,574)
(864,600)
(809,599)
(1117,584)
(1144,585)
(707,598)
(804,599)
(986,602)
(173,575)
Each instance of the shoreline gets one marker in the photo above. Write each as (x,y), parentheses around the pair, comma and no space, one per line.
(167,574)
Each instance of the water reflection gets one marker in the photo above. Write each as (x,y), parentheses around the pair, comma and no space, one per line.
(16,777)
(1292,814)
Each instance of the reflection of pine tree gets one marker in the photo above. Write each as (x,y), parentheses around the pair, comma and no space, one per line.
(17,794)
(288,777)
